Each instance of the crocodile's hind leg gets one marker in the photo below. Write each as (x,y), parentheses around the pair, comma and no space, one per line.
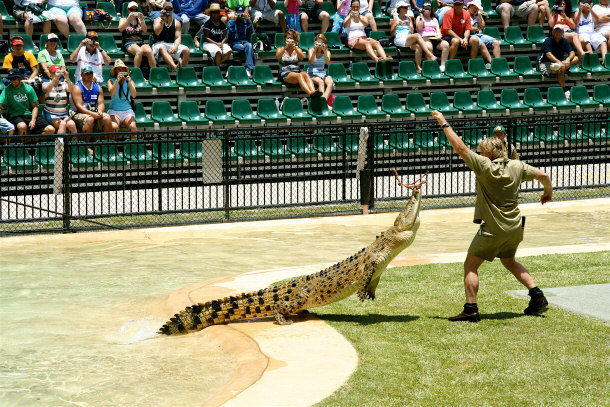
(370,290)
(286,307)
(365,281)
(281,318)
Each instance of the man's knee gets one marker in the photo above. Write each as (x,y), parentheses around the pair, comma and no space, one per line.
(455,42)
(22,128)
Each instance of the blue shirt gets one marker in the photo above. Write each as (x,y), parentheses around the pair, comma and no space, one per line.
(190,7)
(558,49)
(121,98)
(239,30)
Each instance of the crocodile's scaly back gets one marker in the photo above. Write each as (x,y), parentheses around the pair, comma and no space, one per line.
(360,272)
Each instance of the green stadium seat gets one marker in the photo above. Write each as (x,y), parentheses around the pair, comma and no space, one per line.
(254,38)
(590,62)
(455,70)
(6,16)
(533,97)
(278,40)
(569,132)
(80,156)
(108,154)
(439,101)
(44,154)
(247,149)
(432,71)
(607,63)
(141,119)
(163,114)
(487,100)
(43,41)
(337,72)
(556,96)
(380,17)
(137,154)
(390,103)
(191,151)
(238,77)
(74,41)
(381,145)
(19,159)
(523,67)
(499,67)
(166,153)
(293,109)
(348,143)
(369,108)
(109,8)
(495,32)
(343,107)
(212,77)
(580,96)
(378,35)
(601,93)
(187,41)
(108,44)
(523,136)
(187,78)
(401,143)
(336,47)
(510,99)
(577,71)
(105,78)
(241,110)
(329,7)
(318,108)
(300,147)
(514,37)
(263,76)
(3,167)
(268,110)
(594,131)
(326,146)
(476,68)
(487,8)
(417,105)
(408,71)
(535,34)
(384,71)
(275,149)
(160,79)
(216,112)
(544,133)
(425,139)
(462,100)
(138,79)
(362,74)
(306,40)
(188,112)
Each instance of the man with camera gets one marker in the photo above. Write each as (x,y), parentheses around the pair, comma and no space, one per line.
(167,39)
(523,9)
(551,61)
(88,105)
(239,31)
(31,13)
(90,53)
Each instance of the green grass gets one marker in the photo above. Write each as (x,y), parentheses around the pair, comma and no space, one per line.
(410,355)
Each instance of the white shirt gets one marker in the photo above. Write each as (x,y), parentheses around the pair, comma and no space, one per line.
(355,30)
(601,11)
(585,24)
(96,61)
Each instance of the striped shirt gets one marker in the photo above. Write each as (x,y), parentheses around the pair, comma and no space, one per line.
(57,99)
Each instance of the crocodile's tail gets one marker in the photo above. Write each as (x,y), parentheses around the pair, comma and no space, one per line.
(199,316)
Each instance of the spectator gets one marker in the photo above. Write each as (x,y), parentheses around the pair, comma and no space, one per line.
(50,55)
(589,38)
(356,38)
(132,28)
(562,15)
(191,10)
(417,6)
(456,29)
(156,9)
(343,10)
(88,105)
(90,53)
(293,18)
(319,58)
(6,127)
(67,11)
(22,60)
(56,96)
(550,61)
(167,39)
(265,10)
(232,4)
(312,10)
(224,16)
(21,105)
(290,70)
(428,27)
(601,18)
(366,11)
(24,10)
(401,28)
(122,91)
(442,6)
(393,12)
(523,9)
(239,31)
(486,42)
(215,36)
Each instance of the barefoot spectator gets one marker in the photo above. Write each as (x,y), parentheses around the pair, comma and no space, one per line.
(239,31)
(354,25)
(456,29)
(24,10)
(167,39)
(428,27)
(215,35)
(585,27)
(265,10)
(90,53)
(50,55)
(88,106)
(401,28)
(319,58)
(67,11)
(56,96)
(123,91)
(133,28)
(289,57)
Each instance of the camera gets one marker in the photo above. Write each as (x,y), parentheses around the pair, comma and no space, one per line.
(91,41)
(557,9)
(289,41)
(319,44)
(165,13)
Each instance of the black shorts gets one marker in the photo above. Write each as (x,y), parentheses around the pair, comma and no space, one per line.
(41,123)
(448,38)
(312,13)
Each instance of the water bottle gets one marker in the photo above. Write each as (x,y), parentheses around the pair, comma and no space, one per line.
(277,103)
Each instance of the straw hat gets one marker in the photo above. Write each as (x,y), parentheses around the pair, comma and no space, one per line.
(213,7)
(118,64)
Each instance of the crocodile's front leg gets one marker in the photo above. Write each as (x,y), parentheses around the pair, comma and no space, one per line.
(367,276)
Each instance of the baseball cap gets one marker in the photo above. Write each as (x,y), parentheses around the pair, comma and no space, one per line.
(86,69)
(14,74)
(52,37)
(54,68)
(17,40)
(477,4)
(458,2)
(500,128)
(402,4)
(558,27)
(240,9)
(92,34)
(132,4)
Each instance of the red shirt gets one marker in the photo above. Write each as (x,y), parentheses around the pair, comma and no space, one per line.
(458,25)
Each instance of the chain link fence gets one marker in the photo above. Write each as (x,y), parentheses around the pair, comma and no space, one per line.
(55,184)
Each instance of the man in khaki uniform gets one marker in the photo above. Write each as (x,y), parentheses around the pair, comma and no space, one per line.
(501,230)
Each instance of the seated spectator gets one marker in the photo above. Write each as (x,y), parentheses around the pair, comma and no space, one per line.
(50,55)
(428,27)
(601,18)
(401,28)
(343,10)
(590,40)
(312,10)
(132,28)
(22,60)
(123,91)
(486,42)
(393,12)
(366,11)
(289,57)
(215,36)
(224,16)
(231,6)
(191,10)
(239,31)
(442,6)
(354,25)
(319,58)
(156,8)
(88,106)
(64,12)
(265,10)
(22,10)
(561,14)
(523,9)
(456,29)
(417,6)
(167,39)
(21,105)
(56,93)
(90,53)
(293,16)
(6,127)
(551,61)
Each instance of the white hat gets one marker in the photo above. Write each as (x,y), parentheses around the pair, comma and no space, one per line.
(52,36)
(476,3)
(402,4)
(132,4)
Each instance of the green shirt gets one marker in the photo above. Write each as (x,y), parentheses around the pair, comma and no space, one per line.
(233,3)
(43,56)
(498,184)
(18,102)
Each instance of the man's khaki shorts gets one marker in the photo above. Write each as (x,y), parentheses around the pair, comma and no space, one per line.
(521,11)
(81,119)
(489,246)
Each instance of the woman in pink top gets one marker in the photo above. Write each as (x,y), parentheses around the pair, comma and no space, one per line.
(356,38)
(343,9)
(427,26)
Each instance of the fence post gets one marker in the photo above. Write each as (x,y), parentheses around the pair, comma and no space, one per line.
(226,162)
(67,171)
(367,190)
(159,176)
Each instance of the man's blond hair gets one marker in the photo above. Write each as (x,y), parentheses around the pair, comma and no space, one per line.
(494,147)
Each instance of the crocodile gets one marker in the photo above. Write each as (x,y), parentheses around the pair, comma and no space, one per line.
(359,273)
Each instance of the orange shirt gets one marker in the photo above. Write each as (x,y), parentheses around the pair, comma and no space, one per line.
(455,23)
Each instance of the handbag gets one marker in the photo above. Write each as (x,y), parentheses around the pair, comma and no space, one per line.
(91,15)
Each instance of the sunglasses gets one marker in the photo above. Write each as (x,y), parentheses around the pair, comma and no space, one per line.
(133,9)
(168,9)
(87,73)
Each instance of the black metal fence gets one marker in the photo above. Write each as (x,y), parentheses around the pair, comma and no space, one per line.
(181,177)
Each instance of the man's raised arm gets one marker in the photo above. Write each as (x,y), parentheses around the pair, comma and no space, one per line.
(455,140)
